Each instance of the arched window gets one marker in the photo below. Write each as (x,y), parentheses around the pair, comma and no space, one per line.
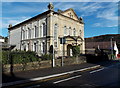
(74,32)
(69,30)
(23,34)
(29,33)
(55,34)
(35,31)
(41,31)
(65,30)
(44,29)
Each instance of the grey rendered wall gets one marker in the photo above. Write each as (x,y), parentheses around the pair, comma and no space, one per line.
(15,37)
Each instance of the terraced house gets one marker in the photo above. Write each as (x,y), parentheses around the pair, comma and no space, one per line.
(59,29)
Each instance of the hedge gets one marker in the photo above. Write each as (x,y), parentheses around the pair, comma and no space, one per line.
(18,57)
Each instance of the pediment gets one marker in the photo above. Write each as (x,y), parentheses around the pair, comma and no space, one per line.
(70,13)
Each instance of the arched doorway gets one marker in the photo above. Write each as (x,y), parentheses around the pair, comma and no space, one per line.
(69,50)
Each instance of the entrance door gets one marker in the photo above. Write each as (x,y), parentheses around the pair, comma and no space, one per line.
(69,50)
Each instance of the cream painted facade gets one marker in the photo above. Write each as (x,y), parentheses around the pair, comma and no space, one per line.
(47,30)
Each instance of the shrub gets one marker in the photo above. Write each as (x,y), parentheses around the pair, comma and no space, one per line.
(76,50)
(46,57)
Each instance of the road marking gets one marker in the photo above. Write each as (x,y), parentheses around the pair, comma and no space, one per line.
(67,79)
(104,68)
(33,86)
(96,70)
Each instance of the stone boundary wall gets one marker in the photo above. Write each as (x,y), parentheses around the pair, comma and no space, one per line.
(42,64)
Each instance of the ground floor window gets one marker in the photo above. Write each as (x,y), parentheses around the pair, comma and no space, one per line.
(42,48)
(35,47)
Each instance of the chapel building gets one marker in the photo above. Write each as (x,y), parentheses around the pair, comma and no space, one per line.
(60,30)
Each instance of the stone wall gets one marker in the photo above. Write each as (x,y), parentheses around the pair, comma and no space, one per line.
(42,64)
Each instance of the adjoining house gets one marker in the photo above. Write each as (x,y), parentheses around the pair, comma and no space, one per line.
(61,30)
(109,43)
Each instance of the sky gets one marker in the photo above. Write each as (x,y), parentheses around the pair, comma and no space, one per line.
(99,17)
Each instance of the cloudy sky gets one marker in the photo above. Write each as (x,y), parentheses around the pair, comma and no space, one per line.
(99,17)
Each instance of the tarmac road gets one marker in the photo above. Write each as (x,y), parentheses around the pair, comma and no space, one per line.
(105,77)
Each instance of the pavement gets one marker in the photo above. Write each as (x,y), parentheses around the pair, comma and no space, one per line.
(48,73)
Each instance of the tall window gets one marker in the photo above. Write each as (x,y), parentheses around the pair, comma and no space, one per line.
(65,30)
(35,47)
(44,29)
(42,47)
(29,33)
(74,32)
(35,31)
(41,31)
(23,34)
(28,46)
(55,34)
